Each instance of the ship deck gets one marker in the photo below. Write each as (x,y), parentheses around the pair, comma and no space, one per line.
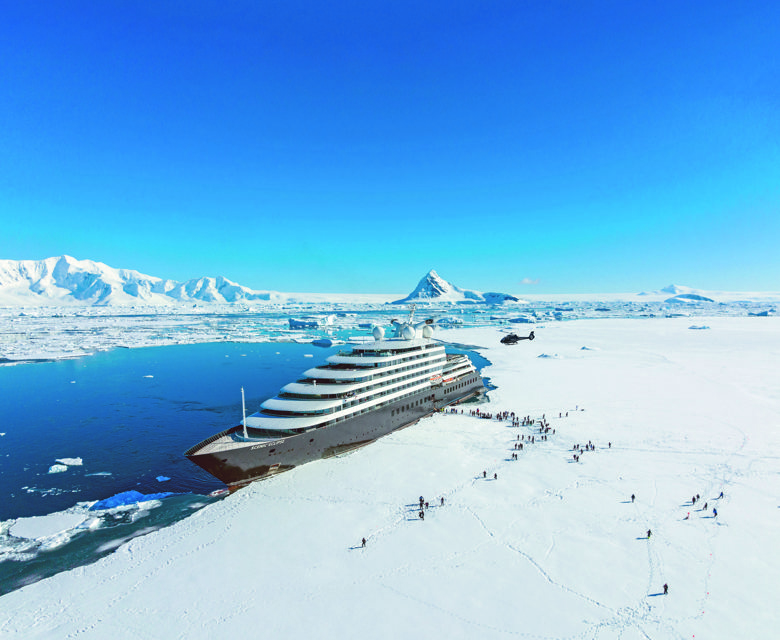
(230,439)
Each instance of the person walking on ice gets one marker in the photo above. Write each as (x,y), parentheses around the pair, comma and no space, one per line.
(364,543)
(649,533)
(666,589)
(633,497)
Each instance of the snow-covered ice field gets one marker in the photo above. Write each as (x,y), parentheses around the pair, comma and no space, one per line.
(550,549)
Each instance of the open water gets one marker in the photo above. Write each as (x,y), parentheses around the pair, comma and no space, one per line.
(129,414)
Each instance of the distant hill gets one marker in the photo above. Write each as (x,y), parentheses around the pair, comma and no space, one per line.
(64,280)
(434,288)
(688,298)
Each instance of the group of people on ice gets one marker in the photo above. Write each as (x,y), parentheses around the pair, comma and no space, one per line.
(694,500)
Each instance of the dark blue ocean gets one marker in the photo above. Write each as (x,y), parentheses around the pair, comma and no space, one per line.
(129,414)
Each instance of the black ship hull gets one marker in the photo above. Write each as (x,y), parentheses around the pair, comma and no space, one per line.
(245,462)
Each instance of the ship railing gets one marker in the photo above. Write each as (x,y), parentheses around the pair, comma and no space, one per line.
(208,441)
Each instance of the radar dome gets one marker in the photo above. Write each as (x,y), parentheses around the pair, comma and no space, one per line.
(427,331)
(408,333)
(379,333)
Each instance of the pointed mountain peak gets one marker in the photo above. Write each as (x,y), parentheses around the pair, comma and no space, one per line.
(433,288)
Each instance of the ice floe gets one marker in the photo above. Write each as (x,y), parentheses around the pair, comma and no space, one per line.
(58,468)
(71,462)
(37,527)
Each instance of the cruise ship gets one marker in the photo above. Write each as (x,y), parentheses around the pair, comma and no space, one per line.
(358,396)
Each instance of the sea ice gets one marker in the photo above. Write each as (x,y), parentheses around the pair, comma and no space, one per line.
(162,478)
(551,548)
(71,462)
(53,524)
(58,468)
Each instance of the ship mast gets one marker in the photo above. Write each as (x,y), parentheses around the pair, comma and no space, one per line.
(243,411)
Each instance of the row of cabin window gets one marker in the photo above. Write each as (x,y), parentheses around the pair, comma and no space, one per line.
(392,370)
(413,404)
(417,372)
(352,415)
(356,366)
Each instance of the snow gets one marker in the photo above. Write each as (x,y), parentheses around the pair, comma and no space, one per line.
(551,549)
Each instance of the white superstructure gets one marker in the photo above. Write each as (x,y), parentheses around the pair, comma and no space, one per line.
(366,378)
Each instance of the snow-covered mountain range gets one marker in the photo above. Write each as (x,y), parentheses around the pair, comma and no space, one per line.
(434,288)
(64,280)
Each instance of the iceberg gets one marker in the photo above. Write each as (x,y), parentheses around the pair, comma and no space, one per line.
(127,498)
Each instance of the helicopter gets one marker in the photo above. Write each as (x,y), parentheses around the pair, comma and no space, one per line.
(513,338)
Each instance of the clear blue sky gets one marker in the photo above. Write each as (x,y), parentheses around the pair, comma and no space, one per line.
(352,146)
